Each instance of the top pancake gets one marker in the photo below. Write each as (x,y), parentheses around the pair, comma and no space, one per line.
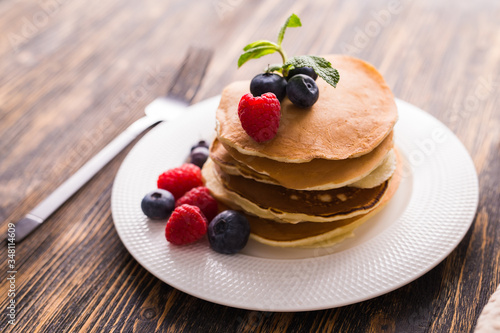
(347,121)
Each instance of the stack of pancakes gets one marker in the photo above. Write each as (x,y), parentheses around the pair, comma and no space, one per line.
(329,168)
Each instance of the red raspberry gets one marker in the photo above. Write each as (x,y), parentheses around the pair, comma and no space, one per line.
(201,198)
(260,116)
(180,180)
(186,225)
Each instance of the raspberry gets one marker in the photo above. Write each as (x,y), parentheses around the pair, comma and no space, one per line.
(180,180)
(186,225)
(201,198)
(260,116)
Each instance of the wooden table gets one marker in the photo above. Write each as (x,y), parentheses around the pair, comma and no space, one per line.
(74,74)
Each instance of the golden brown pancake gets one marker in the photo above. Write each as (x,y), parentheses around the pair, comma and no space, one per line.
(307,234)
(311,234)
(380,174)
(317,174)
(285,232)
(329,203)
(232,167)
(347,121)
(286,205)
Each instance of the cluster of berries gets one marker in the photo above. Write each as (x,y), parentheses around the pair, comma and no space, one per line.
(260,111)
(192,212)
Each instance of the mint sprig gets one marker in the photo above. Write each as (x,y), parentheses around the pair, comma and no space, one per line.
(260,48)
(321,66)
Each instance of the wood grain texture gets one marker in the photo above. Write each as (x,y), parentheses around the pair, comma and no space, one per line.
(76,74)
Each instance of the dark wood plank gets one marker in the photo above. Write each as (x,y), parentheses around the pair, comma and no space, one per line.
(80,72)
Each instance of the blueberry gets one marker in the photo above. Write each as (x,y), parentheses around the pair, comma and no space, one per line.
(302,90)
(158,204)
(302,70)
(268,82)
(199,156)
(201,143)
(228,232)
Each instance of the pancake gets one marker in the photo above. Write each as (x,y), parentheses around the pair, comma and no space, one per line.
(318,174)
(296,205)
(286,205)
(347,121)
(230,166)
(310,234)
(380,174)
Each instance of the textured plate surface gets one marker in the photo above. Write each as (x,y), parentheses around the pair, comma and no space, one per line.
(428,217)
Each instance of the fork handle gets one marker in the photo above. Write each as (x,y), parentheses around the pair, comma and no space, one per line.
(50,204)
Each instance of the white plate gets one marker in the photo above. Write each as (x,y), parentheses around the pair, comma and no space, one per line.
(425,221)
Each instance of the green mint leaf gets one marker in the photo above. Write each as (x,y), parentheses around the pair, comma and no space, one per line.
(259,43)
(321,66)
(255,53)
(291,22)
